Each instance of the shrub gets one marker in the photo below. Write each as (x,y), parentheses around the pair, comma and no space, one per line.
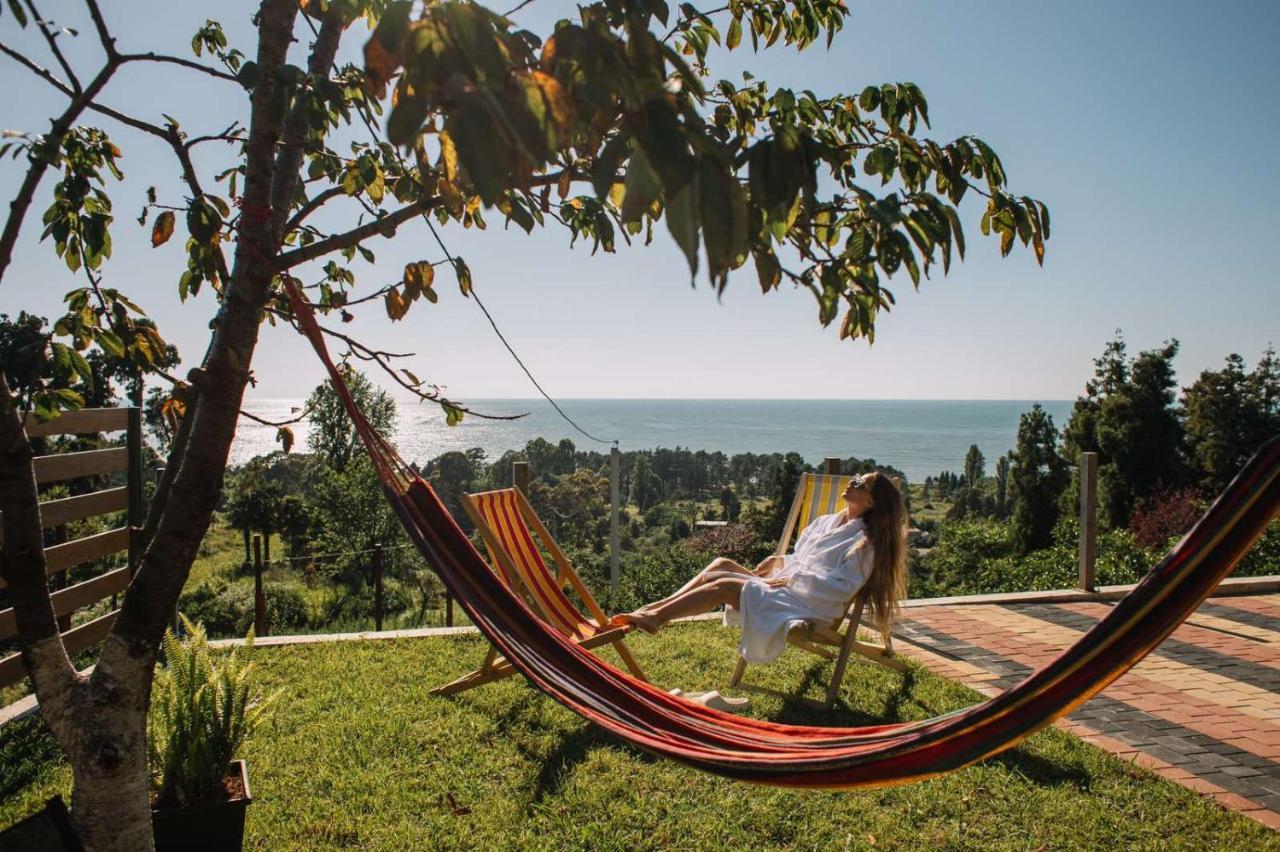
(202,711)
(1264,557)
(1166,516)
(226,608)
(738,542)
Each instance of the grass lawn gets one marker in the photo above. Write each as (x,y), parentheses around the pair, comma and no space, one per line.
(358,754)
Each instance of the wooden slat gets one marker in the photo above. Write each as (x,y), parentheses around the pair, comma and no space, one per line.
(75,465)
(11,670)
(60,557)
(82,422)
(75,597)
(57,512)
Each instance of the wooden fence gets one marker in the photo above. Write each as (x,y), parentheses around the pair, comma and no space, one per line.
(61,558)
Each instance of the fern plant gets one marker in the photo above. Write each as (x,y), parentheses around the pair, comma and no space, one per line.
(202,711)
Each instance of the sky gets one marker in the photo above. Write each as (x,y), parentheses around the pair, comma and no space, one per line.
(1145,126)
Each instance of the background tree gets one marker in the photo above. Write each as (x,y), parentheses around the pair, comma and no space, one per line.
(1037,476)
(730,505)
(1128,417)
(1229,414)
(1002,486)
(975,466)
(646,487)
(615,102)
(331,434)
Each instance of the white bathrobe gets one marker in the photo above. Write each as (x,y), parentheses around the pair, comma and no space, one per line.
(826,570)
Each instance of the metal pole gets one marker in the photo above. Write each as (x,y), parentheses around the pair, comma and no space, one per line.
(377,586)
(259,596)
(831,466)
(615,473)
(1088,519)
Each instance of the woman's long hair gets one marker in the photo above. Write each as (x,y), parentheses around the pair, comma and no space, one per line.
(886,524)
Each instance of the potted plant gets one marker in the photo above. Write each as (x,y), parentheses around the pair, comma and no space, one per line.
(203,708)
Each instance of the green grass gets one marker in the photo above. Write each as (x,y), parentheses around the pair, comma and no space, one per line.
(358,754)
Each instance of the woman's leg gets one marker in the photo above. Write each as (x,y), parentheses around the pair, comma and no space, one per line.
(703,598)
(717,568)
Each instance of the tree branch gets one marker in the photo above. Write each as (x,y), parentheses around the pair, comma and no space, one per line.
(312,205)
(43,26)
(42,157)
(104,36)
(289,157)
(386,226)
(176,60)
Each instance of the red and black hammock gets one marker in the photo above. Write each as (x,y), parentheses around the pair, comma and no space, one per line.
(802,756)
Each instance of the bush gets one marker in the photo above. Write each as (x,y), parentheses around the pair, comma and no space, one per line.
(1264,557)
(738,542)
(1166,516)
(226,608)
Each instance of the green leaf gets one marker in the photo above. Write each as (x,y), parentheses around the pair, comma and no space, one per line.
(642,187)
(464,275)
(682,222)
(16,8)
(406,120)
(452,414)
(734,36)
(480,147)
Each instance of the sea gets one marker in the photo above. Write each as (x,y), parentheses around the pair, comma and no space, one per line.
(919,437)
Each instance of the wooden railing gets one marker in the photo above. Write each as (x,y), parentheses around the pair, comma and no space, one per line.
(61,558)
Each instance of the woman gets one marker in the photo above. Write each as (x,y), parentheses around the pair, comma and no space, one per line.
(862,548)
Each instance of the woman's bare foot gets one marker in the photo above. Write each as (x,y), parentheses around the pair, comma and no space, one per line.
(646,621)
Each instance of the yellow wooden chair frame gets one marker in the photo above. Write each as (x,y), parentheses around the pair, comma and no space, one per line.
(817,495)
(507,524)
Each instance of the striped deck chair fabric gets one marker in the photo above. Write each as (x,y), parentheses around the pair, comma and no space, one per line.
(818,495)
(511,531)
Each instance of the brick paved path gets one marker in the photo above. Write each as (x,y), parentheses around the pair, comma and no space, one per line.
(1203,710)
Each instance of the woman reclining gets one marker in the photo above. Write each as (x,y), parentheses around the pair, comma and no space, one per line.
(862,548)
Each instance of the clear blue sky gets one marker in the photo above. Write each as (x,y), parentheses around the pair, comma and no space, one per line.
(1147,127)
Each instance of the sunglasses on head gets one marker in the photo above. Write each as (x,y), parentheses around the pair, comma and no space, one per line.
(860,481)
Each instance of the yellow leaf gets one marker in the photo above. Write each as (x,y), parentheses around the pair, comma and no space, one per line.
(557,99)
(162,230)
(617,193)
(417,278)
(397,305)
(448,157)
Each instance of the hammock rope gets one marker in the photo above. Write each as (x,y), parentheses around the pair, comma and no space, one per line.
(805,756)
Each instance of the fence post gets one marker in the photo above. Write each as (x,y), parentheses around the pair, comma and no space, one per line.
(158,472)
(831,466)
(377,586)
(448,609)
(520,476)
(259,596)
(615,474)
(1088,519)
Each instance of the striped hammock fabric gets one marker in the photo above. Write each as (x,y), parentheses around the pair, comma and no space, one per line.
(812,757)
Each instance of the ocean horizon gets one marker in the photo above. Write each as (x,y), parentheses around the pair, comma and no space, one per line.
(920,437)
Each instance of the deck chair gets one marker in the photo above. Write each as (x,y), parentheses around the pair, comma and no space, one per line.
(507,524)
(819,494)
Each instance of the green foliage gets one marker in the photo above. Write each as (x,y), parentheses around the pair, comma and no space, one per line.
(1038,476)
(975,466)
(332,435)
(1127,416)
(646,487)
(1264,557)
(1229,414)
(492,113)
(227,608)
(202,711)
(980,556)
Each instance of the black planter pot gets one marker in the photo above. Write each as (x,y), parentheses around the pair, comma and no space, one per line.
(216,827)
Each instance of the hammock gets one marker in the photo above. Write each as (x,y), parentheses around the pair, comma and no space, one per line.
(803,756)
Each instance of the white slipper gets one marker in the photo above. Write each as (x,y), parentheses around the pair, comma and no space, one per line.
(714,700)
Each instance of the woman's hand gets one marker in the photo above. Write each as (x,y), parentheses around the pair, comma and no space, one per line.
(778,583)
(768,565)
